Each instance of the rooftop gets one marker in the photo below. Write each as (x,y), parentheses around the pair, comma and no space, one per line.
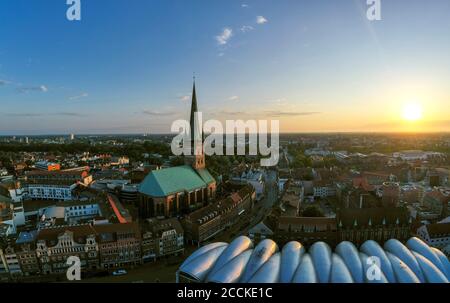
(164,182)
(242,262)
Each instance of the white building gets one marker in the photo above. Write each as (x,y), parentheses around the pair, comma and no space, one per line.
(78,210)
(318,152)
(436,235)
(414,155)
(18,214)
(254,178)
(323,190)
(50,192)
(17,194)
(56,185)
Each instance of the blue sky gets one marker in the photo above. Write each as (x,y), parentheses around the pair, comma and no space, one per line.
(316,65)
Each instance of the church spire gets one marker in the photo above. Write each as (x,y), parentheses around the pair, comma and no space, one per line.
(195,133)
(197,157)
(194,109)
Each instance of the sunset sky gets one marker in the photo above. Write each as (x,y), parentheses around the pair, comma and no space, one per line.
(316,65)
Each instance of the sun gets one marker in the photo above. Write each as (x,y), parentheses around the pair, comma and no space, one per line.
(412,112)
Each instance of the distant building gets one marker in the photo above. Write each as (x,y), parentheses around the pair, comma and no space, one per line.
(162,238)
(9,266)
(117,161)
(99,247)
(359,198)
(323,185)
(55,185)
(256,179)
(309,230)
(437,202)
(47,166)
(119,245)
(129,194)
(414,155)
(411,194)
(205,223)
(25,247)
(391,194)
(55,245)
(323,189)
(7,223)
(378,223)
(438,177)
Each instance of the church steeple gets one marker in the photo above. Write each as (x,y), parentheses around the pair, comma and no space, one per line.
(194,109)
(197,157)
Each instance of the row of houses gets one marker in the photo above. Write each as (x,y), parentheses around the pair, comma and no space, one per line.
(350,224)
(203,224)
(99,247)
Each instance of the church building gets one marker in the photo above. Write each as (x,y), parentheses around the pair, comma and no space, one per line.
(179,190)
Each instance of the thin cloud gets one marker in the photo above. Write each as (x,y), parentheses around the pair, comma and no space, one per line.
(234,98)
(4,82)
(185,98)
(31,115)
(244,5)
(25,115)
(225,36)
(83,95)
(290,114)
(229,113)
(70,114)
(261,20)
(246,28)
(157,113)
(28,89)
(281,101)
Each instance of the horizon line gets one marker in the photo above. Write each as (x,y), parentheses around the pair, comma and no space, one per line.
(173,134)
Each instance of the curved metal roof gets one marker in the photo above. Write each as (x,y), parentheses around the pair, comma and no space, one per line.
(372,248)
(290,259)
(239,262)
(238,246)
(350,255)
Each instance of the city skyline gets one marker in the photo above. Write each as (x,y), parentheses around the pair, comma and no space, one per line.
(315,66)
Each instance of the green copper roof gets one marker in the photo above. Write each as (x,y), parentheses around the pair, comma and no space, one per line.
(206,176)
(161,183)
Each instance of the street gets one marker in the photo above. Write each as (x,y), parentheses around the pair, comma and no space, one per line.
(265,205)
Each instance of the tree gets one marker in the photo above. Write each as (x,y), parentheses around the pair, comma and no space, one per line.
(312,211)
(177,161)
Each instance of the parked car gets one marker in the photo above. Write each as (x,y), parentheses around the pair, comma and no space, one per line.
(119,272)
